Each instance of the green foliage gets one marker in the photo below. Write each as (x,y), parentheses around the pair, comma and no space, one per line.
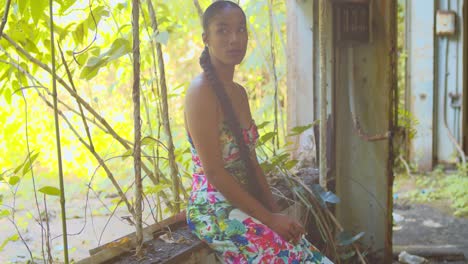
(97,47)
(12,238)
(50,190)
(119,48)
(407,123)
(440,186)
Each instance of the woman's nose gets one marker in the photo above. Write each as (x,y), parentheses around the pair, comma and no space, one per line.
(234,37)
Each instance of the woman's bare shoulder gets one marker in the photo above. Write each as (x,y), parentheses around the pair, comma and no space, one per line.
(199,95)
(199,90)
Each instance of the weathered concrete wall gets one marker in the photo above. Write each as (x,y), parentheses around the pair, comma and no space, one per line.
(300,67)
(363,175)
(303,66)
(361,170)
(420,79)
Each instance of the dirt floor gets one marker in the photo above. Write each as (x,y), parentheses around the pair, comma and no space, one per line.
(430,225)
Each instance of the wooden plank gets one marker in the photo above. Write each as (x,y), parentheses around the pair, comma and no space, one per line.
(126,243)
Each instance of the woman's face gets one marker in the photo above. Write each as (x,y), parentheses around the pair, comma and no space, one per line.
(227,36)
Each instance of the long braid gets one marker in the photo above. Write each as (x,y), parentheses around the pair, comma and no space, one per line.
(233,124)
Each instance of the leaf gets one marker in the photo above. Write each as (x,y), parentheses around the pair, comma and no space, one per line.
(299,129)
(149,141)
(344,238)
(162,37)
(78,34)
(4,213)
(50,190)
(157,188)
(347,255)
(290,164)
(22,6)
(37,9)
(98,13)
(118,48)
(121,6)
(65,5)
(323,197)
(65,31)
(13,180)
(12,238)
(17,169)
(262,125)
(127,154)
(267,137)
(7,94)
(28,163)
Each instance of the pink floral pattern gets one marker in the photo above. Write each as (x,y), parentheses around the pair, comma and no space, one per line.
(235,236)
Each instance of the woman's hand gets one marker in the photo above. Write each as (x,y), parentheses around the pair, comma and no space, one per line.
(288,228)
(274,207)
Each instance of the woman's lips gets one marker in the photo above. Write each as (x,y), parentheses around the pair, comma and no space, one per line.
(235,52)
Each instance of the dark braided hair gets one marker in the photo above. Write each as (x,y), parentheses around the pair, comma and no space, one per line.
(226,105)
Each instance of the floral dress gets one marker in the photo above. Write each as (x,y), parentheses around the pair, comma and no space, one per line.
(235,236)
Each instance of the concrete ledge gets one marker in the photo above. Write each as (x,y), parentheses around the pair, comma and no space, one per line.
(432,252)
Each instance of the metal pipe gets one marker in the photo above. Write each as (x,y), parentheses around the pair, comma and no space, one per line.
(449,133)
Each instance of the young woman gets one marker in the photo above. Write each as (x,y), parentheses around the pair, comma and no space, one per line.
(231,207)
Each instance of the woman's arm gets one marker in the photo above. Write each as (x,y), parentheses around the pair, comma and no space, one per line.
(266,192)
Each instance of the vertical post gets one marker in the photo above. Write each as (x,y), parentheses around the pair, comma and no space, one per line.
(323,96)
(392,123)
(57,136)
(137,127)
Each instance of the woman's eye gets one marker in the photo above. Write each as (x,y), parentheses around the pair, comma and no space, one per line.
(222,30)
(242,30)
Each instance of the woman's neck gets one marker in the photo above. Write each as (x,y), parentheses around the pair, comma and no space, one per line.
(225,72)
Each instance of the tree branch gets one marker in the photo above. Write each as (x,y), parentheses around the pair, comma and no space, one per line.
(86,105)
(165,113)
(5,17)
(199,9)
(137,127)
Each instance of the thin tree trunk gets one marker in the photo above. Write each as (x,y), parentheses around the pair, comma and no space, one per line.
(165,112)
(57,134)
(5,17)
(137,127)
(323,96)
(47,235)
(275,76)
(156,93)
(199,9)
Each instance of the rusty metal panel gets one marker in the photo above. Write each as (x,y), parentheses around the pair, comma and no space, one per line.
(352,21)
(421,79)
